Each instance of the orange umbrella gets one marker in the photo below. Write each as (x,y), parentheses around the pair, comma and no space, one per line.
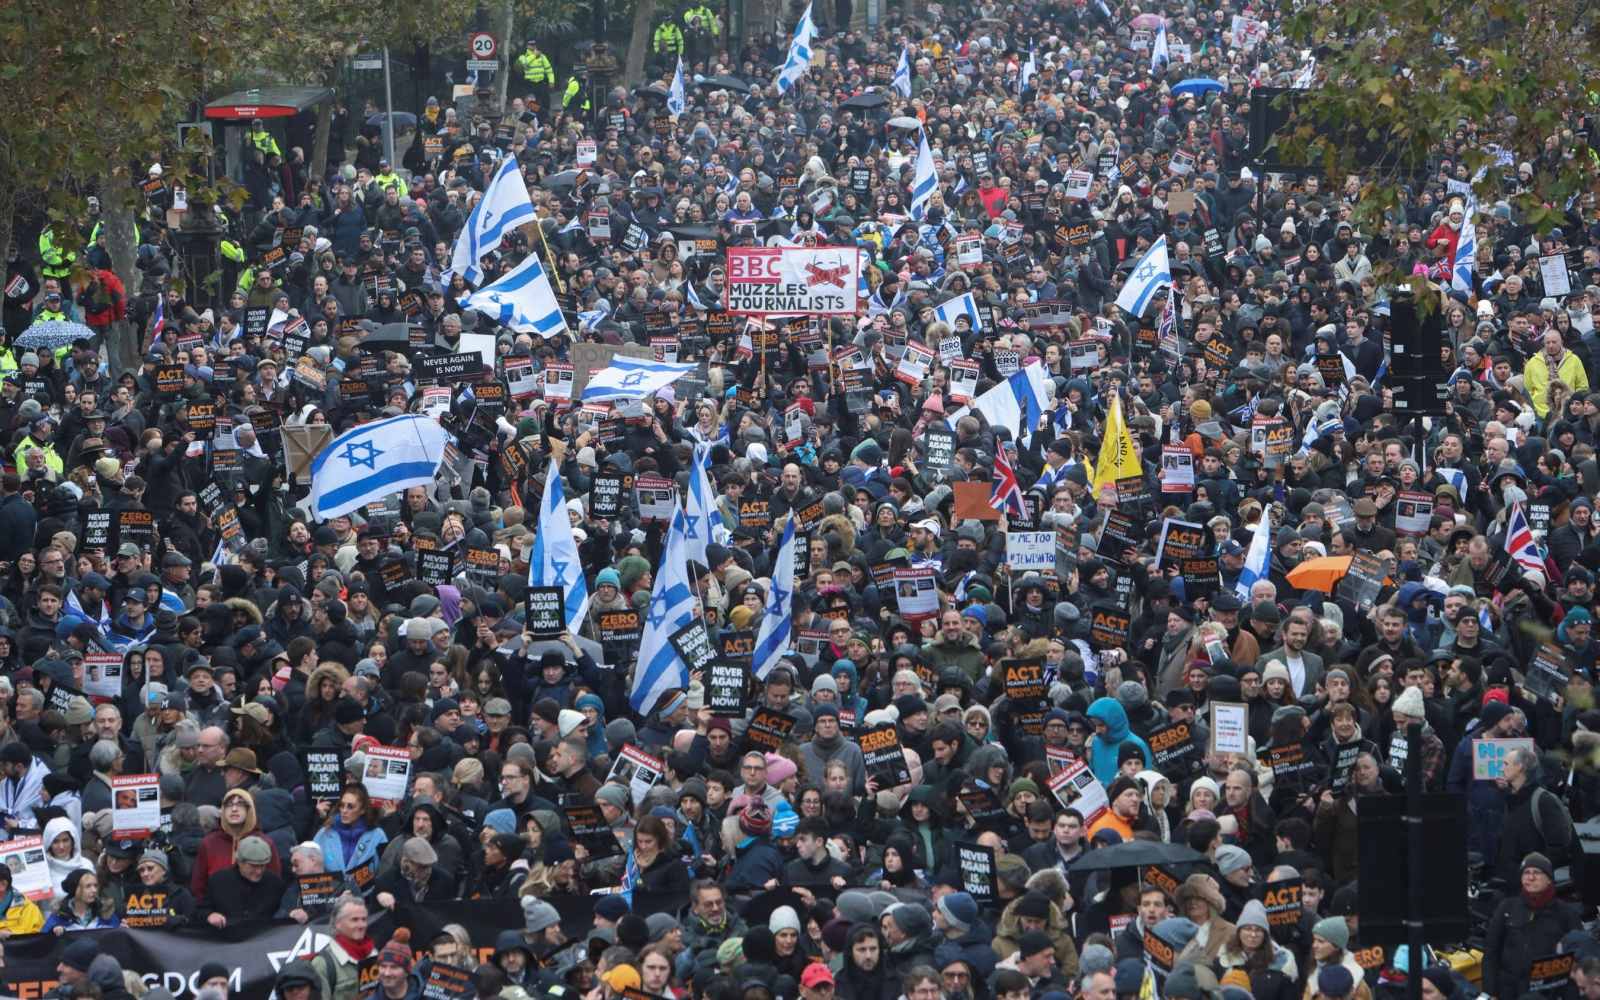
(1321,573)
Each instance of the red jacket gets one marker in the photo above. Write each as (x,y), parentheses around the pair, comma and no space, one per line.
(1447,236)
(216,854)
(104,300)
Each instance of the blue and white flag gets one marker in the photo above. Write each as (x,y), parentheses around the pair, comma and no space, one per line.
(1317,429)
(1025,75)
(693,297)
(591,318)
(677,95)
(902,74)
(1466,253)
(1257,560)
(372,461)
(702,506)
(777,624)
(799,60)
(553,560)
(1149,275)
(658,668)
(1159,54)
(633,378)
(504,207)
(961,305)
(521,299)
(924,181)
(1014,404)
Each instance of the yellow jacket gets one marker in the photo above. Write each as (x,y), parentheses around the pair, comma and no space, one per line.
(22,916)
(1536,378)
(52,458)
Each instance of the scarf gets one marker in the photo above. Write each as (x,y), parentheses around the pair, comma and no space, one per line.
(349,836)
(1540,900)
(357,950)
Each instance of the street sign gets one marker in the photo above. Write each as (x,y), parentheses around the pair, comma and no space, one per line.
(482,45)
(483,65)
(367,61)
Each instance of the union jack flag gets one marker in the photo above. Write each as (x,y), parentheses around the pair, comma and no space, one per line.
(1520,543)
(158,322)
(1006,492)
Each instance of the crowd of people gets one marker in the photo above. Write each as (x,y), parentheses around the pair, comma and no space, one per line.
(1221,653)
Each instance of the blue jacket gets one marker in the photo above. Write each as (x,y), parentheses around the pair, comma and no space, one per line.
(1103,748)
(758,862)
(367,848)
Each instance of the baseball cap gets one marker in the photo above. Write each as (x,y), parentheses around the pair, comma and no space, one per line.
(814,975)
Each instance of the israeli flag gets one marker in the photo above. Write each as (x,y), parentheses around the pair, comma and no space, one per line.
(693,297)
(961,305)
(553,560)
(1159,55)
(1456,478)
(522,299)
(504,207)
(1149,275)
(1025,76)
(591,318)
(1317,429)
(677,95)
(633,378)
(1466,254)
(375,460)
(799,59)
(702,522)
(924,181)
(1256,562)
(658,668)
(902,75)
(777,624)
(1014,404)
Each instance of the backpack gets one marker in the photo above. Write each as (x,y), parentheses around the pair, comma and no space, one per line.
(1559,850)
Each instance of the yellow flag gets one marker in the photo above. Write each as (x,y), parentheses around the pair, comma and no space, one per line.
(1119,456)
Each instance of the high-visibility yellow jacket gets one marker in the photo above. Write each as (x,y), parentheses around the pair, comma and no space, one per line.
(536,67)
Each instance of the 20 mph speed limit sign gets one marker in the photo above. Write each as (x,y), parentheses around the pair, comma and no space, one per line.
(482,45)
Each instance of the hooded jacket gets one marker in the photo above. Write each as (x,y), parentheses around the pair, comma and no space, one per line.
(1104,747)
(59,868)
(218,846)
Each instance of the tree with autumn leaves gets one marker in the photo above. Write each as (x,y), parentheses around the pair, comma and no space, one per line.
(1484,83)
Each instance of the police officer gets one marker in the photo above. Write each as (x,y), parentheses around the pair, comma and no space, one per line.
(539,73)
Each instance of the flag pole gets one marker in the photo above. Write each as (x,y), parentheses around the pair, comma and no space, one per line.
(555,273)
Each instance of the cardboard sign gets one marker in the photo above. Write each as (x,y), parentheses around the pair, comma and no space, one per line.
(1157,877)
(605,495)
(319,890)
(135,805)
(1547,672)
(1289,762)
(169,379)
(1283,903)
(1551,974)
(883,756)
(547,612)
(725,688)
(587,825)
(1159,953)
(1230,727)
(916,592)
(1412,512)
(972,501)
(1489,756)
(324,771)
(1363,582)
(693,645)
(984,808)
(30,872)
(637,770)
(388,772)
(737,646)
(755,514)
(768,730)
(979,876)
(448,982)
(657,497)
(450,368)
(1075,787)
(1174,750)
(963,381)
(102,674)
(1109,628)
(1033,551)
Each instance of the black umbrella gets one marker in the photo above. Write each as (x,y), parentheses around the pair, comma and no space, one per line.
(724,83)
(654,90)
(565,179)
(864,102)
(1136,854)
(388,337)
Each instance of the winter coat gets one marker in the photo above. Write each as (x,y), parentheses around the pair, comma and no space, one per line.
(1104,747)
(1009,930)
(1517,936)
(333,853)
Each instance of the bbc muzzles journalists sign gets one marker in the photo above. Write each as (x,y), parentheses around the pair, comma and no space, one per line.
(777,281)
